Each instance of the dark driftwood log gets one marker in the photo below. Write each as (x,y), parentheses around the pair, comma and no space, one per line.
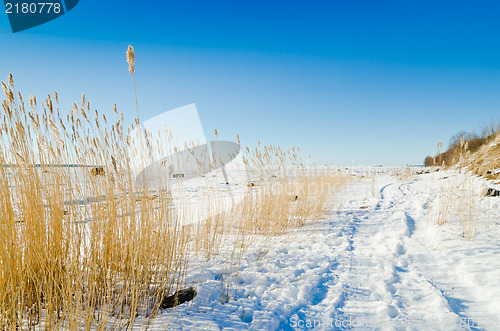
(491,192)
(178,298)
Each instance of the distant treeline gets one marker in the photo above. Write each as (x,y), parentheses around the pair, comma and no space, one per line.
(463,142)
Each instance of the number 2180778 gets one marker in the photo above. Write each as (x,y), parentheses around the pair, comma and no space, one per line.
(33,8)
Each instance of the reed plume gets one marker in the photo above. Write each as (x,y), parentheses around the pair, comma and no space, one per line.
(131,59)
(131,69)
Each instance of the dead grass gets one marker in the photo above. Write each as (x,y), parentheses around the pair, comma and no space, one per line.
(85,249)
(77,252)
(405,173)
(486,161)
(457,199)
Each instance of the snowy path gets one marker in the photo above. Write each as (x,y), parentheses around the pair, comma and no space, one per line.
(382,286)
(375,263)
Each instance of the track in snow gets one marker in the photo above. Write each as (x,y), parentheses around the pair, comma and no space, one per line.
(375,282)
(372,264)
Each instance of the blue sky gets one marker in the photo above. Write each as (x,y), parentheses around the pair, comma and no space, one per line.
(363,82)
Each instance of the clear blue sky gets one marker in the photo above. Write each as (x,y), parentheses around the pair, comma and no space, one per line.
(363,82)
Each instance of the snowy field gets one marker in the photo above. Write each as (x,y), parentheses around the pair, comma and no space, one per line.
(377,261)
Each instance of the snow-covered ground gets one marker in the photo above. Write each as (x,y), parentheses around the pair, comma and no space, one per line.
(377,261)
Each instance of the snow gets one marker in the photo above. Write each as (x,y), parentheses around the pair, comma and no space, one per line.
(377,261)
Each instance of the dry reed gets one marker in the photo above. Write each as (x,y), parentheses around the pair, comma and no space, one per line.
(84,247)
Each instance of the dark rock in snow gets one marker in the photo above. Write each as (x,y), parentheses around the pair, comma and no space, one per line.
(178,298)
(98,171)
(491,192)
